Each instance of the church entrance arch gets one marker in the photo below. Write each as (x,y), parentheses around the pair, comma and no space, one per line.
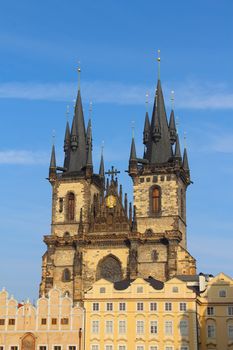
(28,342)
(109,268)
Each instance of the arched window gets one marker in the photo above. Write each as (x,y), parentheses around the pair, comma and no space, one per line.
(109,268)
(156,200)
(66,276)
(70,206)
(183,327)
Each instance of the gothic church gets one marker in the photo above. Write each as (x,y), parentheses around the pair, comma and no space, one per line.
(95,232)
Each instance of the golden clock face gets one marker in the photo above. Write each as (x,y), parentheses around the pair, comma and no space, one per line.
(111,201)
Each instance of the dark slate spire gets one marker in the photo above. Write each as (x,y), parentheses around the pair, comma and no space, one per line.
(172,128)
(89,165)
(67,141)
(185,163)
(78,154)
(159,145)
(52,167)
(146,132)
(101,169)
(133,155)
(177,149)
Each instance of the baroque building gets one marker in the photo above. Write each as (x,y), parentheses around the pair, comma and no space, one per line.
(95,232)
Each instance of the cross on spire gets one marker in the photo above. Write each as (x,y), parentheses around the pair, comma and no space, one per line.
(112,172)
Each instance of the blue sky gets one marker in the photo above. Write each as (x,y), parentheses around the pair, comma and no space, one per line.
(116,42)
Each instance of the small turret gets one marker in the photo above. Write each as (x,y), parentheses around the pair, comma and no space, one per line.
(185,163)
(74,137)
(89,166)
(52,167)
(133,159)
(146,132)
(67,141)
(177,154)
(172,128)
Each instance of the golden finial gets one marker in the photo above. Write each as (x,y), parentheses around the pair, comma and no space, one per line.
(173,99)
(102,148)
(158,60)
(79,75)
(177,124)
(67,112)
(53,136)
(133,128)
(185,139)
(90,110)
(147,101)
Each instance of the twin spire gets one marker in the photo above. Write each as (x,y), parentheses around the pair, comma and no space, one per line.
(161,139)
(77,146)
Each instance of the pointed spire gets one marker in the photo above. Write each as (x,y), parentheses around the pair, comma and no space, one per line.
(67,137)
(52,167)
(101,169)
(185,163)
(177,149)
(172,127)
(146,132)
(89,144)
(74,136)
(133,155)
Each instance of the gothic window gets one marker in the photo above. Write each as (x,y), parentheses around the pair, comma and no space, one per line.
(155,200)
(109,268)
(154,255)
(66,276)
(70,206)
(60,205)
(28,342)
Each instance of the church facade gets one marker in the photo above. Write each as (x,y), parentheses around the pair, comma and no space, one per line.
(95,232)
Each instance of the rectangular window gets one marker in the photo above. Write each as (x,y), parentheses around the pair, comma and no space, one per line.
(122,306)
(1,347)
(168,327)
(222,293)
(102,290)
(57,347)
(95,347)
(230,310)
(15,347)
(2,321)
(153,327)
(210,310)
(122,327)
(184,347)
(109,307)
(183,327)
(140,327)
(109,327)
(153,306)
(72,347)
(140,347)
(230,331)
(43,321)
(11,322)
(95,306)
(54,321)
(139,289)
(108,347)
(169,348)
(153,347)
(183,306)
(64,320)
(95,326)
(140,306)
(211,331)
(122,347)
(168,306)
(42,347)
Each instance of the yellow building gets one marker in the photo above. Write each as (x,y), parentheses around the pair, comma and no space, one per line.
(141,315)
(215,314)
(53,324)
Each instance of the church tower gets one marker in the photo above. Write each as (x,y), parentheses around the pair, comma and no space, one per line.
(95,232)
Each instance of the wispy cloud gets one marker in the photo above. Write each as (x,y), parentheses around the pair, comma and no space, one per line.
(189,94)
(23,157)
